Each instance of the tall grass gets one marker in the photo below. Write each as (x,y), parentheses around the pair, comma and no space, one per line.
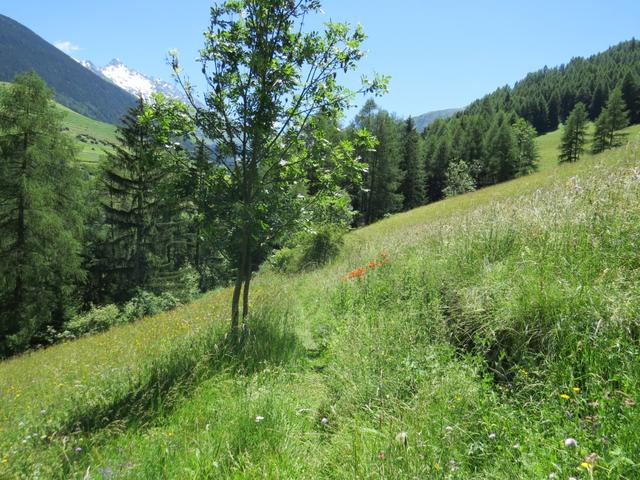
(502,323)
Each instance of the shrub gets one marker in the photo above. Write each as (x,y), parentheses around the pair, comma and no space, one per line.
(147,303)
(96,319)
(309,249)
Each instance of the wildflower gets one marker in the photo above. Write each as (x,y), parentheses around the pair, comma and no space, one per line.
(591,458)
(437,466)
(552,476)
(259,418)
(373,264)
(324,421)
(5,460)
(576,389)
(402,438)
(492,436)
(448,429)
(570,442)
(573,478)
(381,455)
(564,396)
(515,446)
(78,449)
(585,465)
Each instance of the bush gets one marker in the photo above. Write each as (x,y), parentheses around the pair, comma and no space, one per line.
(147,303)
(96,319)
(309,249)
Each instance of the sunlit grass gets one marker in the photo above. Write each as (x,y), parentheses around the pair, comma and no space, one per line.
(543,268)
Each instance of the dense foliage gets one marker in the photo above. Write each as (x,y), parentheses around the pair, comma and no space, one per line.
(41,215)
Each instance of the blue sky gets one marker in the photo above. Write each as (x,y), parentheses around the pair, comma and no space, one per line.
(440,54)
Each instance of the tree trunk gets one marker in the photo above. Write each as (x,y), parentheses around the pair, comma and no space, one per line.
(245,292)
(240,280)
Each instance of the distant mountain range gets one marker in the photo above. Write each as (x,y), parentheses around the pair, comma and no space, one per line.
(75,86)
(132,81)
(426,119)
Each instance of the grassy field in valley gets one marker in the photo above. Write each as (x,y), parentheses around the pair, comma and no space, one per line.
(91,136)
(491,335)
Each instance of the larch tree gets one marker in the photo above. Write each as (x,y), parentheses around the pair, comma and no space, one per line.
(574,135)
(413,182)
(613,118)
(267,75)
(41,214)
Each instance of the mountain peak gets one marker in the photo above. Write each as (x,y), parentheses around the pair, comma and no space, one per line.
(133,81)
(115,62)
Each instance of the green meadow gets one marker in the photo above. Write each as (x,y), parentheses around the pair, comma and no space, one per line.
(490,335)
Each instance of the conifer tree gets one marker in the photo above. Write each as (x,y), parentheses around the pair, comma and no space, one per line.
(501,152)
(598,102)
(383,175)
(574,134)
(139,205)
(600,135)
(613,118)
(618,116)
(412,186)
(41,214)
(630,89)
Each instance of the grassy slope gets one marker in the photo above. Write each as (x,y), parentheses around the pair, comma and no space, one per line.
(91,136)
(372,356)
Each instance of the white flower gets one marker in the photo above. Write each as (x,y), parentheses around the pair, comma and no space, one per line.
(570,442)
(492,436)
(552,476)
(259,418)
(402,438)
(324,421)
(515,446)
(448,429)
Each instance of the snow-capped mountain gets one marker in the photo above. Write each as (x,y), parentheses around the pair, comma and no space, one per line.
(133,81)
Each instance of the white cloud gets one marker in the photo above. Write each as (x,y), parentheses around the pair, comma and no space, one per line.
(67,47)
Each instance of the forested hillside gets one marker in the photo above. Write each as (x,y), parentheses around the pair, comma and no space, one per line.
(75,86)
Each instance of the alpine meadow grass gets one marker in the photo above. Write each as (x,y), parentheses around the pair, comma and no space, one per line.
(490,335)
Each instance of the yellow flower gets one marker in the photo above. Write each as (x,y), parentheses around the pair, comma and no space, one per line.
(564,396)
(437,466)
(586,465)
(5,460)
(576,389)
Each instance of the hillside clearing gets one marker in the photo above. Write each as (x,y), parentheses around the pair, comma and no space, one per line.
(403,364)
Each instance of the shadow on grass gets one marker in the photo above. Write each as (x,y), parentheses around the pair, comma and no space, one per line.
(266,339)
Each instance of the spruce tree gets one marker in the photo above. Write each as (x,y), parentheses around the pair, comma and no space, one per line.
(139,205)
(598,102)
(630,89)
(574,134)
(41,214)
(501,163)
(412,186)
(383,175)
